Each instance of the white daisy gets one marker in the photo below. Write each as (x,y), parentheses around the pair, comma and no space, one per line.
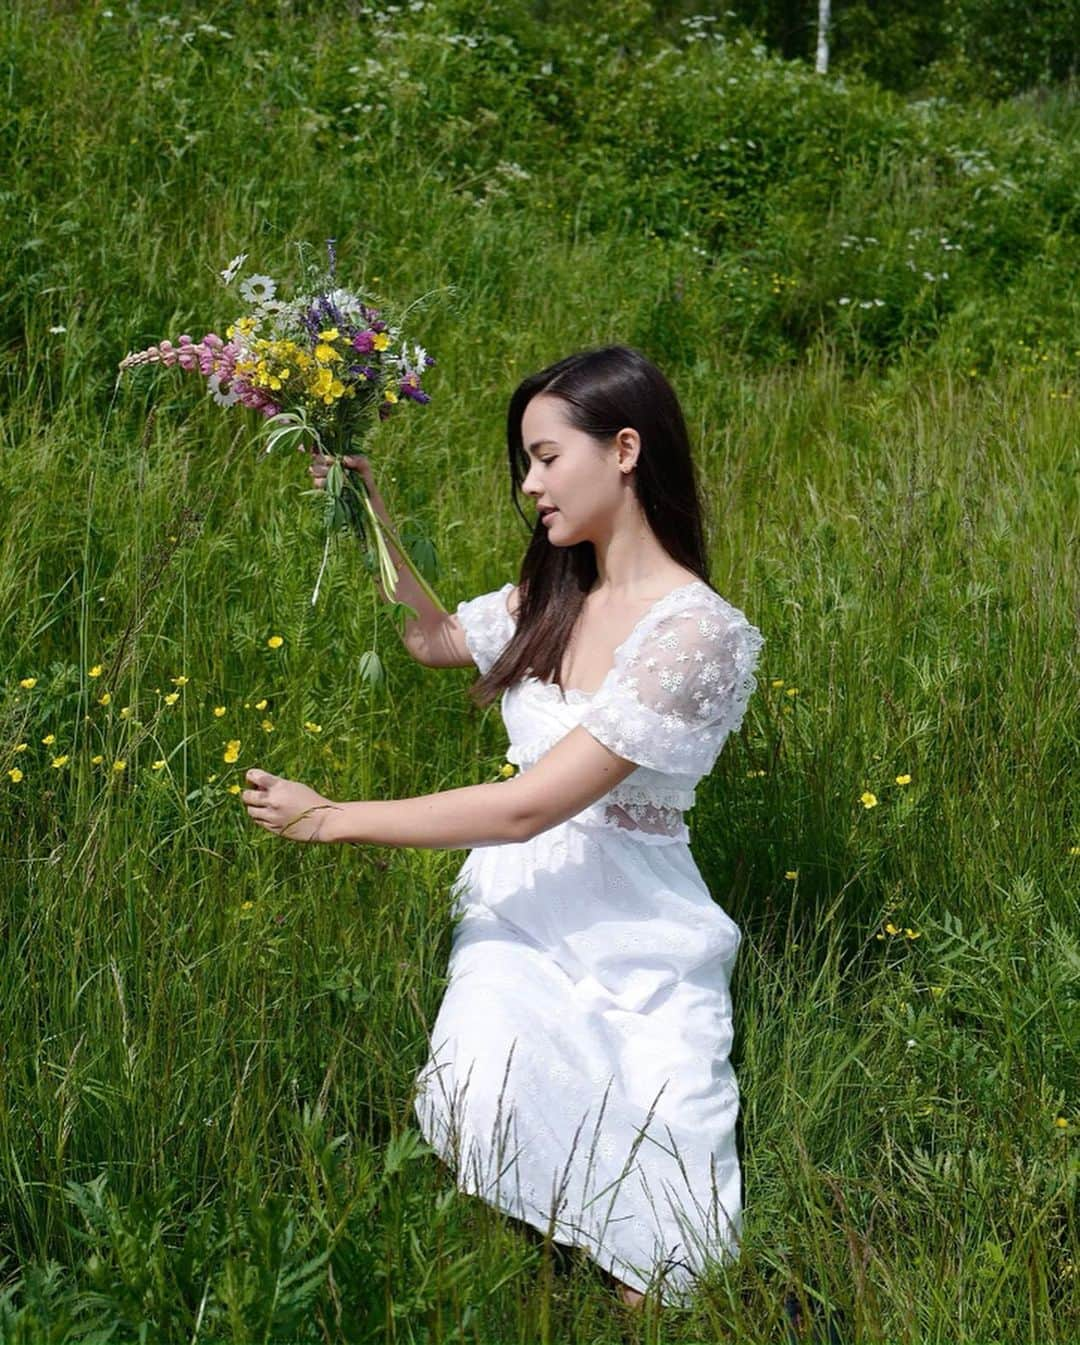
(257,289)
(213,384)
(346,301)
(232,268)
(57,330)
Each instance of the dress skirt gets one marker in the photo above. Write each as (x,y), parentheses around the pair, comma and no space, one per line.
(579,1076)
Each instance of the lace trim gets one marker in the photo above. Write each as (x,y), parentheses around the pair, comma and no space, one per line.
(648,817)
(487,625)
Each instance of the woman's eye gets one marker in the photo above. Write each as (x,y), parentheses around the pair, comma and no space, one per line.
(545,461)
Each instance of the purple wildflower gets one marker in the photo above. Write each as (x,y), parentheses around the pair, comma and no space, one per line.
(410,387)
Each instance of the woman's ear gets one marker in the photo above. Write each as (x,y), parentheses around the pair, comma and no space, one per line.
(628,447)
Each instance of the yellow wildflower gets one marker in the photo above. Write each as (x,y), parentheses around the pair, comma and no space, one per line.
(890,928)
(261,705)
(172,698)
(331,334)
(234,789)
(211,778)
(327,354)
(792,691)
(61,761)
(232,751)
(1061,1122)
(390,396)
(119,765)
(903,779)
(15,774)
(95,671)
(105,698)
(158,765)
(21,747)
(49,738)
(1073,849)
(381,341)
(268,726)
(219,710)
(125,713)
(178,681)
(792,873)
(246,905)
(868,800)
(96,761)
(912,933)
(28,682)
(312,727)
(507,770)
(275,641)
(777,682)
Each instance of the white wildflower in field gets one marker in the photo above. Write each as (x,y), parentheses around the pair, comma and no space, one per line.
(229,398)
(230,271)
(257,289)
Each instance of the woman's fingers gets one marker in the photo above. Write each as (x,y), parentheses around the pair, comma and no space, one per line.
(320,465)
(318,469)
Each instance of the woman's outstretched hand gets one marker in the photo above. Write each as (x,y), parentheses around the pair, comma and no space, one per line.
(320,465)
(285,807)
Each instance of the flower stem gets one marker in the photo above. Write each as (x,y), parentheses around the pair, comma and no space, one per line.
(384,530)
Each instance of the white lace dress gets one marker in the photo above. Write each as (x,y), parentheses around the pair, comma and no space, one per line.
(579,1073)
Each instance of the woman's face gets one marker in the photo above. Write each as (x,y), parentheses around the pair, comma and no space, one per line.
(588,485)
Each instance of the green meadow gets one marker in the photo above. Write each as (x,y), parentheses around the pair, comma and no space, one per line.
(867,302)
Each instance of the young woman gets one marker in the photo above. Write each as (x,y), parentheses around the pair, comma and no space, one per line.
(579,1075)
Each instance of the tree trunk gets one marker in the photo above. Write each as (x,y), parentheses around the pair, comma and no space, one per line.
(822,64)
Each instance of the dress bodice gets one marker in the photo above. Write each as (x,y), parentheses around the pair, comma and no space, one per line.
(678,687)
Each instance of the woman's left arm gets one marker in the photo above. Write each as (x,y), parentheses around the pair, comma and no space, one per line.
(454,819)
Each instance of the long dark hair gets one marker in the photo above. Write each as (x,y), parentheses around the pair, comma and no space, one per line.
(603,391)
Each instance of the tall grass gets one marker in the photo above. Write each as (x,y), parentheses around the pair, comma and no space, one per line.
(210,1035)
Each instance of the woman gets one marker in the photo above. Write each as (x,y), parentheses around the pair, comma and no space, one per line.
(579,1075)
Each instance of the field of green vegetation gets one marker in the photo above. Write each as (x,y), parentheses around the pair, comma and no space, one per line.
(867,302)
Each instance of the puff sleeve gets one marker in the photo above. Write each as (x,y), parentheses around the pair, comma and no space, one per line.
(677,690)
(487,625)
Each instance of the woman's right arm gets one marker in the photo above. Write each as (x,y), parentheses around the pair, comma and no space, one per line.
(433,638)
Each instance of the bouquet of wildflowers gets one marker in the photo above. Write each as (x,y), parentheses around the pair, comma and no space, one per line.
(322,369)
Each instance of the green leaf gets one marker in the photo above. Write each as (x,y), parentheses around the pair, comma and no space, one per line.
(371,669)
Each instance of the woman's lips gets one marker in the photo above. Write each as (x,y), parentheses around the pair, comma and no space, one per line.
(546,518)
